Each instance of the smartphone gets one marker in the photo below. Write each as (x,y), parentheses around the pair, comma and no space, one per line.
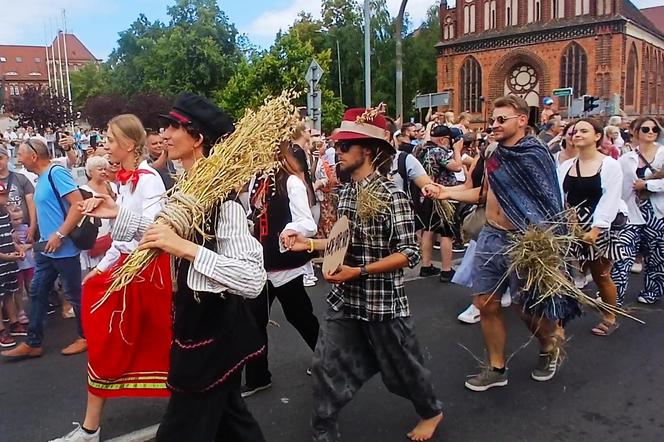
(39,246)
(93,141)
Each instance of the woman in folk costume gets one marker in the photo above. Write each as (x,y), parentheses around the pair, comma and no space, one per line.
(643,191)
(282,205)
(591,185)
(128,331)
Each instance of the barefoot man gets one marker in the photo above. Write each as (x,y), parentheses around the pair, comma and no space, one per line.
(521,188)
(367,328)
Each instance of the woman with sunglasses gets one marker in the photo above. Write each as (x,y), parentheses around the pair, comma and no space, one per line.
(643,191)
(591,185)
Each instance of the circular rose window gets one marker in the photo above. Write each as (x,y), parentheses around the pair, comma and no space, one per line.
(522,79)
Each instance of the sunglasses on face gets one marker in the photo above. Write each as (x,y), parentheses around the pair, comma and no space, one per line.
(648,129)
(502,119)
(343,147)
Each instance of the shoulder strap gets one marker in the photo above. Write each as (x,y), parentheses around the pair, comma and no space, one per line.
(401,169)
(648,165)
(55,190)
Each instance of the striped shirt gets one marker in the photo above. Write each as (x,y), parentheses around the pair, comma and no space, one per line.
(7,268)
(236,266)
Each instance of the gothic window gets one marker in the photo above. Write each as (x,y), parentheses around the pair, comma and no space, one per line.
(468,19)
(448,29)
(492,20)
(487,15)
(558,9)
(630,78)
(534,10)
(471,86)
(645,89)
(604,7)
(582,7)
(574,69)
(511,11)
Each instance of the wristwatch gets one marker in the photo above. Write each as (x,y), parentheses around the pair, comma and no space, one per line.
(59,235)
(363,272)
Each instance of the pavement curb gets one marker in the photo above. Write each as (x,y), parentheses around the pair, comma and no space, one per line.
(143,435)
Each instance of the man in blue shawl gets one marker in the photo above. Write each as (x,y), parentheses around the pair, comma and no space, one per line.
(521,189)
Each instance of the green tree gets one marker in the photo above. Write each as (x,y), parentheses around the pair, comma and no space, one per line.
(282,67)
(89,81)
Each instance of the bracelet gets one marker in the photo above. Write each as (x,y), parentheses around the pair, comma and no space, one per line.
(311,246)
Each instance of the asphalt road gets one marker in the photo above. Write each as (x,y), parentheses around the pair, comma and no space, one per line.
(610,389)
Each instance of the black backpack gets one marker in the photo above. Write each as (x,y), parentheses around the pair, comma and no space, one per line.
(409,187)
(85,233)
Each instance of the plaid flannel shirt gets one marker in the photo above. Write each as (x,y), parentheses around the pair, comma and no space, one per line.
(376,297)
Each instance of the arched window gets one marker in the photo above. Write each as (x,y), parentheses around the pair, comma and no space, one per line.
(630,78)
(511,12)
(534,10)
(645,75)
(487,15)
(492,20)
(604,7)
(448,29)
(574,69)
(471,86)
(558,9)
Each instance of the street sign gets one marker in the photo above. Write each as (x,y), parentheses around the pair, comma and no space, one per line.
(314,103)
(563,92)
(426,101)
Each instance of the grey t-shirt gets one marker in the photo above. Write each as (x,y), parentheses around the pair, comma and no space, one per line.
(20,187)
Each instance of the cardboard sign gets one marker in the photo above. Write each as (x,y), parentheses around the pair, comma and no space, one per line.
(337,245)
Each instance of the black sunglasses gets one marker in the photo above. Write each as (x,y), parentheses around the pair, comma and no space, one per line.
(501,119)
(646,129)
(343,146)
(31,146)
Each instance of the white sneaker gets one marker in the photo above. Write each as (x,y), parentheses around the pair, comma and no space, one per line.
(637,267)
(78,435)
(506,300)
(470,316)
(309,282)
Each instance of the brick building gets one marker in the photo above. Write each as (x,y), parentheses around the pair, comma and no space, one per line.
(24,66)
(529,47)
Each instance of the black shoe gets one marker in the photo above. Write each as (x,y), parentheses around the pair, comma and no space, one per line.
(446,276)
(458,247)
(51,309)
(436,245)
(429,271)
(247,391)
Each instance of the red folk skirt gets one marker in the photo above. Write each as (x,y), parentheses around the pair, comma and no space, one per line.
(129,335)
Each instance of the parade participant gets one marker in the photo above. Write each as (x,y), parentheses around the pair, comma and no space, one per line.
(21,192)
(568,150)
(521,188)
(9,255)
(281,206)
(367,327)
(128,331)
(592,185)
(644,196)
(548,110)
(158,158)
(440,161)
(214,333)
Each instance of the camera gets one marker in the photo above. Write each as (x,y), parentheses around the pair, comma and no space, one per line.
(453,133)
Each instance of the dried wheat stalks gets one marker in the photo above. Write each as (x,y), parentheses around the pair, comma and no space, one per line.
(370,202)
(232,163)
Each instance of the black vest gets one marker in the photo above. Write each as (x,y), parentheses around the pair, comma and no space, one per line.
(268,228)
(213,336)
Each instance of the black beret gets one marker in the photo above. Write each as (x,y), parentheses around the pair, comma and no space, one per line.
(203,114)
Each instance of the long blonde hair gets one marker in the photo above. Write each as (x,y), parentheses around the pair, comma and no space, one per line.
(129,130)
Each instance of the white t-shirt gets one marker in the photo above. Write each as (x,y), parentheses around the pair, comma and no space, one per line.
(414,169)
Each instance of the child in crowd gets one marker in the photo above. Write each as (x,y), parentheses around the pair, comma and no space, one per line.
(26,266)
(8,270)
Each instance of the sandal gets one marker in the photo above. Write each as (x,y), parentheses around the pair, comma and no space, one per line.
(605,328)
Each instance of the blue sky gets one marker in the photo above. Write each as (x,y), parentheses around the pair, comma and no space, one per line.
(97,22)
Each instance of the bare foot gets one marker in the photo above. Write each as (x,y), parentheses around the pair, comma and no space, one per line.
(425,428)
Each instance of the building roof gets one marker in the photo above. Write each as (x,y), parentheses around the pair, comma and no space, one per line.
(633,13)
(656,16)
(28,63)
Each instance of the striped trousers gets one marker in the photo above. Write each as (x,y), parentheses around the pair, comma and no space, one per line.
(647,239)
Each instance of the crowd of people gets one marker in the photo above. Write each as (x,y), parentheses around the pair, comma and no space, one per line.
(171,333)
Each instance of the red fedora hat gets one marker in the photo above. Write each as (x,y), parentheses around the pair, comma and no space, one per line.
(364,124)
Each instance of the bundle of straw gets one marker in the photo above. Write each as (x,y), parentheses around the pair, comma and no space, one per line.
(445,210)
(370,201)
(540,256)
(251,149)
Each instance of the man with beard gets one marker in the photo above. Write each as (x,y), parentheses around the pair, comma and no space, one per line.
(367,328)
(158,158)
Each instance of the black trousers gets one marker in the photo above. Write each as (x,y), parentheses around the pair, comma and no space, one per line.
(219,415)
(298,311)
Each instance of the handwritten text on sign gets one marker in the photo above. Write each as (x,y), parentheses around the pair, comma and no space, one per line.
(337,245)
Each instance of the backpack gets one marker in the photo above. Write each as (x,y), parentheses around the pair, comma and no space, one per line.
(85,233)
(409,187)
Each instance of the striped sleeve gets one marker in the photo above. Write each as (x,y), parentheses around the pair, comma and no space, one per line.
(129,225)
(237,264)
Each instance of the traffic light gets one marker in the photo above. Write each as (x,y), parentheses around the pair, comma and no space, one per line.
(590,103)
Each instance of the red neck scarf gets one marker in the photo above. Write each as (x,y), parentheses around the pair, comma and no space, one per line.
(131,176)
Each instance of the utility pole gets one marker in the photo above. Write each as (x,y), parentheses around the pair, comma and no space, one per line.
(399,59)
(367,53)
(341,96)
(71,109)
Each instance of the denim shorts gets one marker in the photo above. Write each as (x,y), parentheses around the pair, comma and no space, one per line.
(492,264)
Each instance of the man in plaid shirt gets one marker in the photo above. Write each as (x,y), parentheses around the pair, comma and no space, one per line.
(367,328)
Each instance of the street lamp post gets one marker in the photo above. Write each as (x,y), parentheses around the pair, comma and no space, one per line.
(367,53)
